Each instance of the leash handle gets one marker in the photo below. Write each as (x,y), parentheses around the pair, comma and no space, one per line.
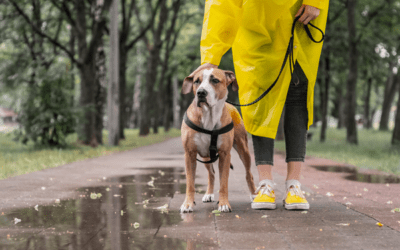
(289,53)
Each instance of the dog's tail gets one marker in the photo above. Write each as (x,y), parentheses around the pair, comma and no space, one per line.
(231,166)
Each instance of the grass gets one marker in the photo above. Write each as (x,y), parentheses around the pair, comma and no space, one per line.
(373,151)
(17,159)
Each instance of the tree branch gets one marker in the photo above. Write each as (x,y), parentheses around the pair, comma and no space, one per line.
(40,33)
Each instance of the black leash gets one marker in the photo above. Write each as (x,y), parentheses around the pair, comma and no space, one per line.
(289,54)
(214,137)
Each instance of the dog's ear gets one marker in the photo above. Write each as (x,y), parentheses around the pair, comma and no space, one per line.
(187,85)
(231,79)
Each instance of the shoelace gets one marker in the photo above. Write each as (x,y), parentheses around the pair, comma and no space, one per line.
(265,189)
(296,190)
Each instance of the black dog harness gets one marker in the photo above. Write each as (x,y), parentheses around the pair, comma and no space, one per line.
(214,137)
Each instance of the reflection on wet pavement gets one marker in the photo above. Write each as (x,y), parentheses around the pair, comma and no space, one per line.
(361,177)
(126,213)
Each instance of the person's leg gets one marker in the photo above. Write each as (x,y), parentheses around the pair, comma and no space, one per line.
(263,153)
(295,129)
(295,123)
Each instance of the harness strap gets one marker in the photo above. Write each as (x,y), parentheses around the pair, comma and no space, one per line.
(214,137)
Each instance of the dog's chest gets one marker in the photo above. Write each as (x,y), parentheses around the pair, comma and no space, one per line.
(203,141)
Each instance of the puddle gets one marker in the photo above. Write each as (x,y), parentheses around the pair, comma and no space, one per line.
(371,178)
(336,169)
(104,222)
(361,177)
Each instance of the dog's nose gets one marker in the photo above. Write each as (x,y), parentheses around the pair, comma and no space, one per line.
(202,93)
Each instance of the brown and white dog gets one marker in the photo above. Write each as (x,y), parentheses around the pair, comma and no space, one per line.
(210,111)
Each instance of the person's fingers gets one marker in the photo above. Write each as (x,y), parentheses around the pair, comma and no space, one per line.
(308,19)
(300,10)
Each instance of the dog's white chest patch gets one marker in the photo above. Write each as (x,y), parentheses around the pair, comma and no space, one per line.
(203,141)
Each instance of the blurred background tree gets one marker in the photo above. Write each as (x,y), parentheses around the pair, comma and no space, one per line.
(53,58)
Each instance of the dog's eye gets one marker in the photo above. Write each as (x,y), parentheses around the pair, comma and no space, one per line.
(197,81)
(215,80)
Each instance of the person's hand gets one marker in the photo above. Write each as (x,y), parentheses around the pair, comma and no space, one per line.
(310,13)
(204,66)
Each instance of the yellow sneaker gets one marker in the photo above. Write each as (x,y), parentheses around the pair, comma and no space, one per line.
(265,199)
(294,196)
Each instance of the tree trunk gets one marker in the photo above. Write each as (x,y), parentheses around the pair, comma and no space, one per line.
(151,74)
(352,77)
(100,91)
(391,85)
(367,113)
(167,105)
(396,130)
(176,108)
(156,108)
(123,57)
(325,100)
(113,113)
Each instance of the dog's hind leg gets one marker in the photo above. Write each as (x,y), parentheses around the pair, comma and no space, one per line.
(241,146)
(209,195)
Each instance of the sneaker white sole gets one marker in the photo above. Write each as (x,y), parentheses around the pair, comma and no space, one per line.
(303,206)
(263,205)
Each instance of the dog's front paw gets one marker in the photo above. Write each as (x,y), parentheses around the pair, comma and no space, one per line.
(187,207)
(208,198)
(224,207)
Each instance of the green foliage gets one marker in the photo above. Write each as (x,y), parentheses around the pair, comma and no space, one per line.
(47,116)
(373,152)
(17,159)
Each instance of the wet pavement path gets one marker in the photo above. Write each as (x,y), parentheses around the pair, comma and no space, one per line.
(130,200)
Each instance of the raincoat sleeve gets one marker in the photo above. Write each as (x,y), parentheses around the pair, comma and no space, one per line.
(320,4)
(220,25)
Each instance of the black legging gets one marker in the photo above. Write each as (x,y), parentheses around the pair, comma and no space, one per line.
(295,124)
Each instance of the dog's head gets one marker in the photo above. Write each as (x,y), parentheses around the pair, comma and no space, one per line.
(209,85)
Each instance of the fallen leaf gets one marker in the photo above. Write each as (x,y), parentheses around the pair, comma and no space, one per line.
(136,225)
(359,194)
(379,224)
(216,212)
(16,220)
(164,209)
(395,210)
(389,202)
(146,202)
(107,189)
(304,212)
(144,206)
(99,195)
(151,183)
(57,201)
(161,173)
(36,207)
(344,198)
(329,194)
(93,196)
(43,188)
(365,190)
(315,186)
(237,216)
(264,216)
(387,184)
(343,224)
(308,194)
(348,203)
(122,213)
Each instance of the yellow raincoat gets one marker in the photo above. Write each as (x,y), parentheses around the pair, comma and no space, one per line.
(258,32)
